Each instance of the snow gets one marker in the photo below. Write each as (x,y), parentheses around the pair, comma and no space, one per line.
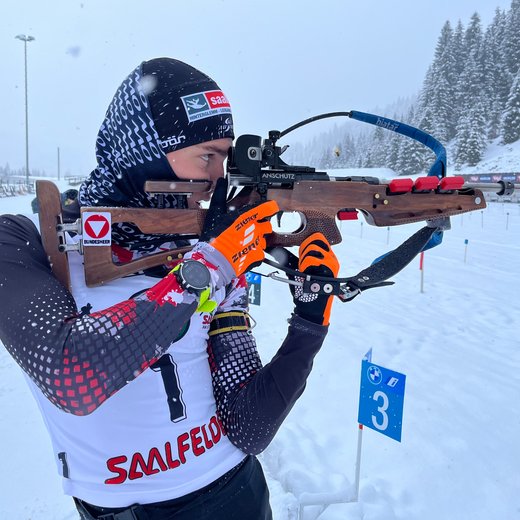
(457,343)
(497,158)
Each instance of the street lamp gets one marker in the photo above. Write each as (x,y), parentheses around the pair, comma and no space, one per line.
(26,39)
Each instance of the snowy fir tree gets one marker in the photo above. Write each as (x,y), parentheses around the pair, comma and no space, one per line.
(471,128)
(348,151)
(393,150)
(410,159)
(510,130)
(426,122)
(378,148)
(511,46)
(437,95)
(470,140)
(457,46)
(497,78)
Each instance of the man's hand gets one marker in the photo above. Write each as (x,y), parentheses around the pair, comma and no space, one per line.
(233,241)
(315,258)
(239,235)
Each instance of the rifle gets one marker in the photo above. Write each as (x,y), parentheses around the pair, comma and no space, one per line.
(258,169)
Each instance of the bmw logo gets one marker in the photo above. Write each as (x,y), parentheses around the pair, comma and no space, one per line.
(374,375)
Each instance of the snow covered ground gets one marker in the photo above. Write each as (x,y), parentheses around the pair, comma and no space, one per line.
(497,158)
(457,343)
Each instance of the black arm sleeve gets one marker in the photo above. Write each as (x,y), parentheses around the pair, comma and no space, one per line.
(77,361)
(253,401)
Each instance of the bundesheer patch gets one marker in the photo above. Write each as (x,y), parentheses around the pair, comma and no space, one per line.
(97,228)
(205,104)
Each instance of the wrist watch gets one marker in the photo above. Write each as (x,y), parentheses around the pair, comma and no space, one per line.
(193,276)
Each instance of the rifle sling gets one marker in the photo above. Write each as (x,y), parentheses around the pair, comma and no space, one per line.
(393,262)
(377,274)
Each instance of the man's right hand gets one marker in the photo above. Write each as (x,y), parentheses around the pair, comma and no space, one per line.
(238,235)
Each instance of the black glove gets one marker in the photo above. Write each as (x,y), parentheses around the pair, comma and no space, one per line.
(316,258)
(216,211)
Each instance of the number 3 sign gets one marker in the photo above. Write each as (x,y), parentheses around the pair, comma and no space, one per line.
(381,399)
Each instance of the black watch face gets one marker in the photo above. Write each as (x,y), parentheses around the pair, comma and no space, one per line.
(195,275)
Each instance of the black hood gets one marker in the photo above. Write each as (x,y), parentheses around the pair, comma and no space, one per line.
(128,152)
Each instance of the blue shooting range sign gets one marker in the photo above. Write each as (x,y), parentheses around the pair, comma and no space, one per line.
(381,399)
(254,287)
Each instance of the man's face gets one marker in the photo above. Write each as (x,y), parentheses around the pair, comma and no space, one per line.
(203,161)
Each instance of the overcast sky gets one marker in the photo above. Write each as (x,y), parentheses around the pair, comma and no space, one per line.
(277,61)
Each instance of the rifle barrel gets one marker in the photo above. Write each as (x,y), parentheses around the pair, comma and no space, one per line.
(496,187)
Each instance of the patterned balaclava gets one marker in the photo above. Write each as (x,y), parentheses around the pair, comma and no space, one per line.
(162,106)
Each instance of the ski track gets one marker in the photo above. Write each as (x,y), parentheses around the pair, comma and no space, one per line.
(457,343)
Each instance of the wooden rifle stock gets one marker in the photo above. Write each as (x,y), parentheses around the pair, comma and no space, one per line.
(317,202)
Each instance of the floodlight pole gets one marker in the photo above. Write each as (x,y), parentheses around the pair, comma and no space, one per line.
(25,39)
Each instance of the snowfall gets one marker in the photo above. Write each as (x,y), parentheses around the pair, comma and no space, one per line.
(457,342)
